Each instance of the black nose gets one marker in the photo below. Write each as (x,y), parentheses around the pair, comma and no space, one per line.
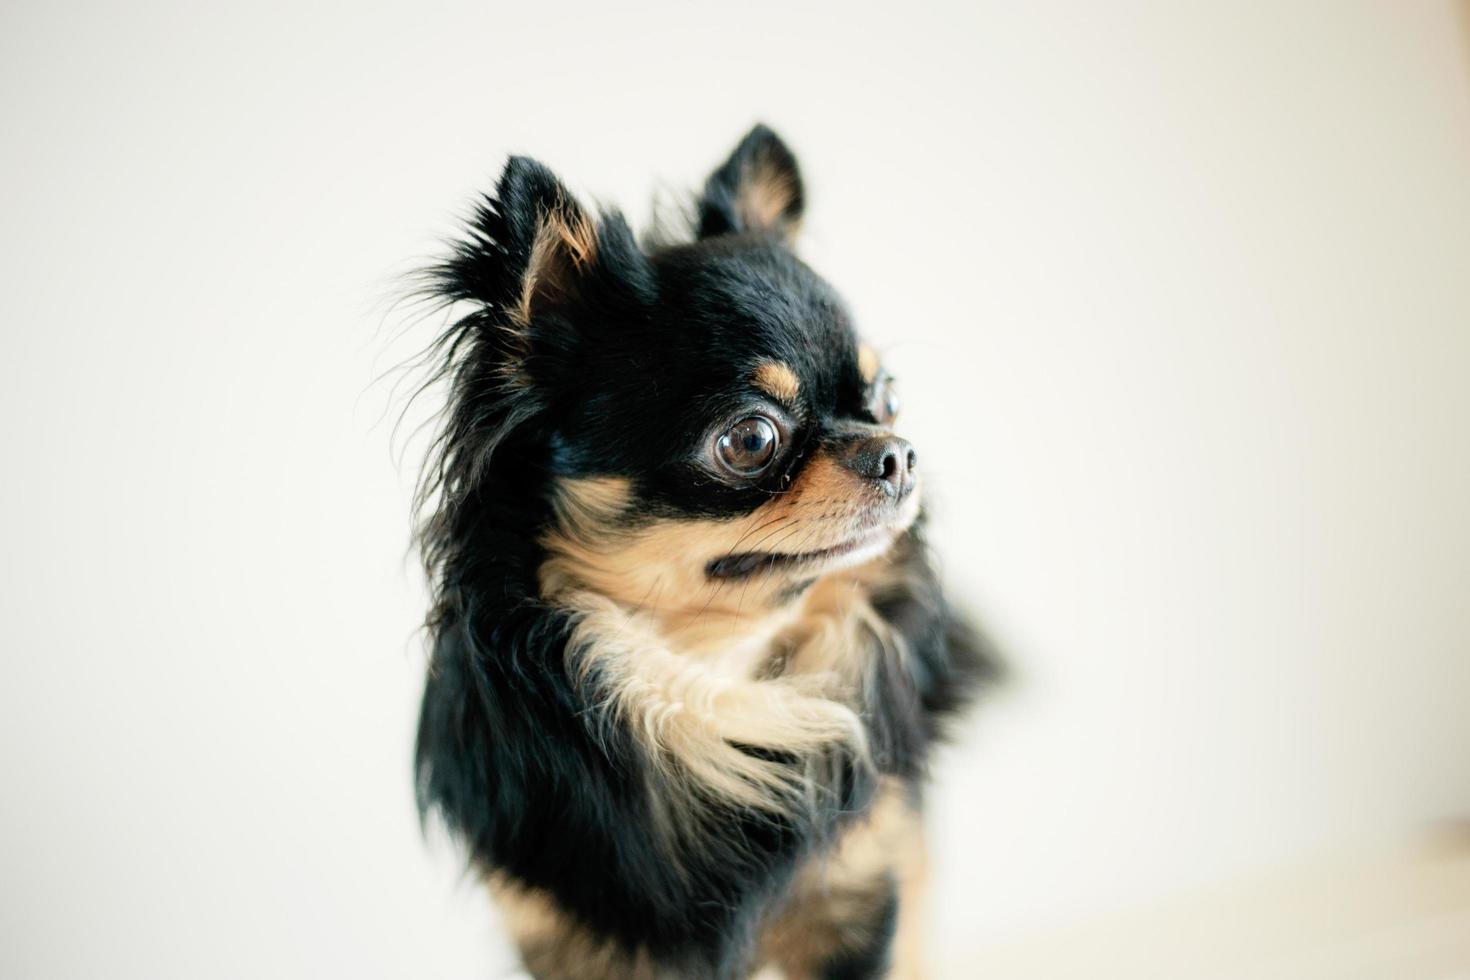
(885,459)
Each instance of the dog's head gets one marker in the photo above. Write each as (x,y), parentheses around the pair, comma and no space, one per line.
(703,420)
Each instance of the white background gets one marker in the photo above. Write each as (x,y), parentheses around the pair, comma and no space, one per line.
(1179,297)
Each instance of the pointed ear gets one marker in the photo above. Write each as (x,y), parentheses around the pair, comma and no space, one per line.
(757,190)
(548,231)
(527,246)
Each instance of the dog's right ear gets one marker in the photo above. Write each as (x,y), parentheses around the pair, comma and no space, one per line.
(527,246)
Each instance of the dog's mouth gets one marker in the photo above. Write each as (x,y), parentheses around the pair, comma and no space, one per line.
(852,551)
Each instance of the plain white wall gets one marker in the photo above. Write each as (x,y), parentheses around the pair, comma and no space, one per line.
(1179,297)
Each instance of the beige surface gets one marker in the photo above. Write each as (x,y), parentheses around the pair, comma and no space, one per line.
(1392,915)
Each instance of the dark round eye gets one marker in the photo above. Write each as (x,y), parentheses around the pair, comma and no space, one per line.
(884,401)
(748,446)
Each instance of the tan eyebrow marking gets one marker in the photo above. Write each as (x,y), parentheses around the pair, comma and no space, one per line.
(867,362)
(778,381)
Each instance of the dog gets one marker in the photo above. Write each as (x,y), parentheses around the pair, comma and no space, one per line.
(688,653)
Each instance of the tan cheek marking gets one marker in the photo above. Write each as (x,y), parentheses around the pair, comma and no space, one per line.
(659,567)
(827,487)
(868,363)
(594,497)
(778,381)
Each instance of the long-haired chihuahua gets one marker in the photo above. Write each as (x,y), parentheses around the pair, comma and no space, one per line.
(689,656)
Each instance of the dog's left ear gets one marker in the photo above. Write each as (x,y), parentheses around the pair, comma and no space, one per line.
(757,190)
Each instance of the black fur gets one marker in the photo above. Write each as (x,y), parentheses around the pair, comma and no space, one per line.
(623,378)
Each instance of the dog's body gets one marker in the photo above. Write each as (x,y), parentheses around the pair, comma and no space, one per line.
(689,654)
